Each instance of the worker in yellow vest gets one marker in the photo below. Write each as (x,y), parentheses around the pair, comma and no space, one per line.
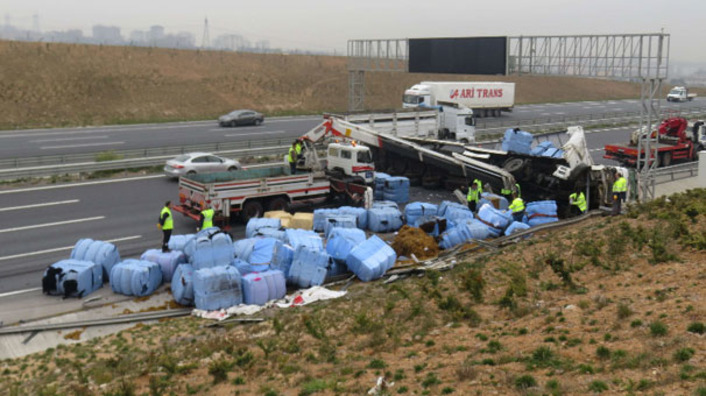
(475,189)
(620,188)
(166,224)
(517,207)
(207,218)
(299,148)
(292,158)
(577,202)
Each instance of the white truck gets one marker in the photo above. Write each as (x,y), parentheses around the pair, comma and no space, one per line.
(484,98)
(680,94)
(444,121)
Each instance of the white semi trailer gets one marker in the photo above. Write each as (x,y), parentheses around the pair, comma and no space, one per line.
(487,99)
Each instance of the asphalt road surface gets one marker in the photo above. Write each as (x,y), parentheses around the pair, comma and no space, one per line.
(43,142)
(41,224)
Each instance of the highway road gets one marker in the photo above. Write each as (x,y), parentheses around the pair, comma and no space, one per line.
(41,224)
(42,142)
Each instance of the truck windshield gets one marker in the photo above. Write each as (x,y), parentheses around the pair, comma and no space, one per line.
(364,157)
(675,92)
(411,99)
(470,121)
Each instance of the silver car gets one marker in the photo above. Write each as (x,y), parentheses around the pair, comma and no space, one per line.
(241,117)
(193,163)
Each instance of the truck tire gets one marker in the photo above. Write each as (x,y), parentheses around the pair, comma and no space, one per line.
(278,203)
(464,141)
(514,165)
(251,209)
(665,159)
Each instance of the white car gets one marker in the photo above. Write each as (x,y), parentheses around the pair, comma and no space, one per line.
(193,163)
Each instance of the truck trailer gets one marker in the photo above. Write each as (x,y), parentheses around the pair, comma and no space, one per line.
(486,99)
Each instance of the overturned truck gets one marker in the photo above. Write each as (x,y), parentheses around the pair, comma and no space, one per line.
(438,163)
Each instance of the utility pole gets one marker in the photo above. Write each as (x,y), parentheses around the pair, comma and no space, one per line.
(206,40)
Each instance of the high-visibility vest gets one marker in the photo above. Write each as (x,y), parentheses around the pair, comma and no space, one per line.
(518,205)
(474,195)
(298,148)
(292,156)
(505,191)
(578,200)
(207,218)
(620,185)
(168,222)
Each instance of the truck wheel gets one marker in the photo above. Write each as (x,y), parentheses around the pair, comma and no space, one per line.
(251,209)
(278,203)
(514,165)
(464,141)
(665,159)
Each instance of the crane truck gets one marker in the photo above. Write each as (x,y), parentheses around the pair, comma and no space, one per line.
(676,141)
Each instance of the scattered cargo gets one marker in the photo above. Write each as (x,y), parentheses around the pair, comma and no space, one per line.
(217,288)
(297,237)
(414,210)
(168,261)
(496,220)
(102,253)
(516,226)
(212,252)
(342,240)
(396,189)
(133,277)
(517,141)
(72,278)
(254,226)
(541,212)
(182,285)
(371,259)
(259,288)
(179,242)
(413,241)
(384,219)
(340,221)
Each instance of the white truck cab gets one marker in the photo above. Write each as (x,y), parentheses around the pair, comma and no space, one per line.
(457,122)
(418,95)
(351,159)
(680,94)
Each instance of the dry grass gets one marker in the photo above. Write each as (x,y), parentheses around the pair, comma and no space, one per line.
(432,335)
(49,84)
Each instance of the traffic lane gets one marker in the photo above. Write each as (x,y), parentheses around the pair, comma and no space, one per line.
(131,209)
(91,140)
(596,142)
(558,110)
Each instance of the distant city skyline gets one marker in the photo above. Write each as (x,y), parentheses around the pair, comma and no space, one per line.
(325,26)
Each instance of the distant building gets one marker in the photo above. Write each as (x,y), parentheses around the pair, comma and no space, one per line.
(156,33)
(106,34)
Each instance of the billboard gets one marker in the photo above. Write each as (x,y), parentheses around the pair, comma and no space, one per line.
(461,55)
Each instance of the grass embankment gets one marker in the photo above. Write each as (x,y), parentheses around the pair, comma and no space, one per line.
(50,84)
(613,305)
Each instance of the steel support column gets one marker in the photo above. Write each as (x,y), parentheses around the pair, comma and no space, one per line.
(356,90)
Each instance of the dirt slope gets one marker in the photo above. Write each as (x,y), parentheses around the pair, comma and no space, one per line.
(613,306)
(49,84)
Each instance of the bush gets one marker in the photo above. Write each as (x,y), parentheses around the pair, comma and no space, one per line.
(696,327)
(603,353)
(219,369)
(598,386)
(104,156)
(525,381)
(684,354)
(658,329)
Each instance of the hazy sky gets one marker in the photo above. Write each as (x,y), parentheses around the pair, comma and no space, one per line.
(328,24)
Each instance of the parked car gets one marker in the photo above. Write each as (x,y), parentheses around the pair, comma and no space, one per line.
(241,117)
(192,163)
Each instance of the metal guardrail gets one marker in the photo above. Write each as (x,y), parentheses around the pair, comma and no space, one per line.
(676,172)
(86,167)
(15,168)
(25,162)
(490,127)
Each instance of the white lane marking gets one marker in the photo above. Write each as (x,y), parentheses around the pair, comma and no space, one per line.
(16,292)
(560,113)
(39,205)
(52,187)
(546,114)
(254,133)
(43,132)
(80,145)
(67,139)
(56,223)
(38,252)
